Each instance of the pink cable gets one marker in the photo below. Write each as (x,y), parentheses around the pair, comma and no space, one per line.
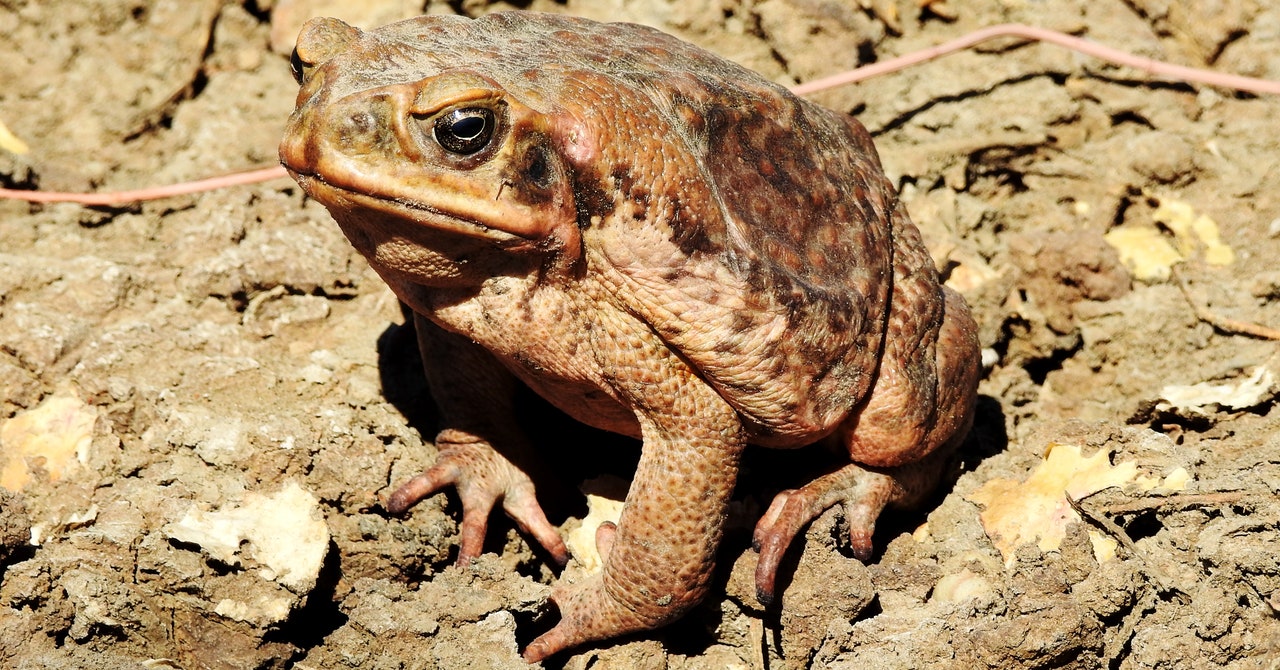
(1149,65)
(150,193)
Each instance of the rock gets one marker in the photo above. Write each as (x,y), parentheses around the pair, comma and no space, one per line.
(284,533)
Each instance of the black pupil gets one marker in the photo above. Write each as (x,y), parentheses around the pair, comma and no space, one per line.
(464,131)
(296,66)
(468,128)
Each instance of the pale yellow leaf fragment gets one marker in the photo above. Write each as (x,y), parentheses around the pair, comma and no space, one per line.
(1104,547)
(1144,250)
(53,437)
(1150,254)
(10,142)
(1177,480)
(1200,399)
(1036,510)
(604,504)
(1190,228)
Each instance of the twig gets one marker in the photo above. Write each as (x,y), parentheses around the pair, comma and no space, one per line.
(1222,323)
(1162,581)
(1178,501)
(759,657)
(1102,522)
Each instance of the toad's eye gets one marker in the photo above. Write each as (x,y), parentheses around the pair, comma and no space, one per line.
(465,131)
(297,67)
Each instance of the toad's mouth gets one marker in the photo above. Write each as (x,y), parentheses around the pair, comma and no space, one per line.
(363,206)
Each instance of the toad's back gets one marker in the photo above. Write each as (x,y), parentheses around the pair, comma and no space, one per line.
(766,219)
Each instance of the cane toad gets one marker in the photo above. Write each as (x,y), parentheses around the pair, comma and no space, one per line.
(660,243)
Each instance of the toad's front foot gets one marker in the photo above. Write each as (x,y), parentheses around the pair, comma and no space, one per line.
(483,477)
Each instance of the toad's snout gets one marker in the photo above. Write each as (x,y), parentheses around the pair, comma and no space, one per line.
(358,126)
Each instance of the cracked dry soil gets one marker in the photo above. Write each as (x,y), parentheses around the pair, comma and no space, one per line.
(225,360)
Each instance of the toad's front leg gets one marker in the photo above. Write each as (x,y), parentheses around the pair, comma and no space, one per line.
(481,451)
(659,560)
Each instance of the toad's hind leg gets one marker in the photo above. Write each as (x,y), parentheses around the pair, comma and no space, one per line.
(919,410)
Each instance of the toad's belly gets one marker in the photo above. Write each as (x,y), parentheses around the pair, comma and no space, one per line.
(545,337)
(585,402)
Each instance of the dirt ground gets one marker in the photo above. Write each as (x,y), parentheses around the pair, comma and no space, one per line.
(202,399)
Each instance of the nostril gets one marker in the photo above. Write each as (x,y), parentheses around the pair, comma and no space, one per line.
(361,132)
(368,124)
(362,122)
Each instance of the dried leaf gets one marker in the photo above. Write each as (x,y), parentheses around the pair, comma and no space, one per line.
(53,437)
(1150,254)
(1146,251)
(1191,230)
(1036,510)
(1200,399)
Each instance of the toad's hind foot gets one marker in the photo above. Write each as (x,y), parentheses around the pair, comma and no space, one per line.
(864,492)
(588,612)
(591,611)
